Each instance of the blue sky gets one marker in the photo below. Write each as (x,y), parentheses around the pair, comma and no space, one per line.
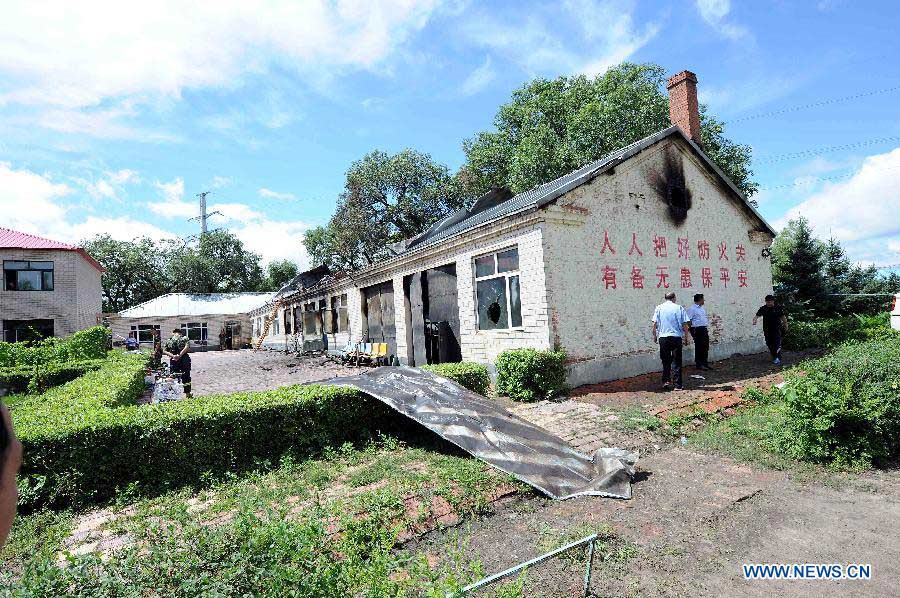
(113,117)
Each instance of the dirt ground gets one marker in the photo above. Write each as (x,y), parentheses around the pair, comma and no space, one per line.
(214,372)
(695,518)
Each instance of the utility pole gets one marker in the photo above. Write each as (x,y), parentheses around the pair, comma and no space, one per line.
(203,215)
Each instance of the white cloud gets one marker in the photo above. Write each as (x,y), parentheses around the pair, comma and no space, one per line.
(173,204)
(714,13)
(103,124)
(606,35)
(77,55)
(29,201)
(478,79)
(861,211)
(218,182)
(269,194)
(124,176)
(121,228)
(110,185)
(272,239)
(32,203)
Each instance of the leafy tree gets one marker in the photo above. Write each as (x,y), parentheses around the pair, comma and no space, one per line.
(386,198)
(552,127)
(836,273)
(279,273)
(218,263)
(797,270)
(135,270)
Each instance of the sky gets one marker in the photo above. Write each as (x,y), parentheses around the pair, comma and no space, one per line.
(114,115)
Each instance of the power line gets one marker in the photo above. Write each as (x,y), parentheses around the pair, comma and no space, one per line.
(203,217)
(823,150)
(816,104)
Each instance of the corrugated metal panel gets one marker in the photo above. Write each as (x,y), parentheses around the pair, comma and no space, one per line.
(190,304)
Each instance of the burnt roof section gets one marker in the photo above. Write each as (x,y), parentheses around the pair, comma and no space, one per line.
(536,197)
(303,281)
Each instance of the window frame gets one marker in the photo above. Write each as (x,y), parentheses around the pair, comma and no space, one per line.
(136,329)
(203,327)
(9,271)
(507,275)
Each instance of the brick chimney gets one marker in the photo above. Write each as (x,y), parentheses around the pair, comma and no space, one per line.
(684,110)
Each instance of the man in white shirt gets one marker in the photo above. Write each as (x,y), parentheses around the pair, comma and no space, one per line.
(670,325)
(700,332)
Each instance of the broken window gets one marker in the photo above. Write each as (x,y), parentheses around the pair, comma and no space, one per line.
(337,315)
(287,321)
(310,320)
(23,275)
(498,296)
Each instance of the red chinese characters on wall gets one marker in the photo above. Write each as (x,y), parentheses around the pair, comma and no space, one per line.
(684,273)
(684,248)
(609,277)
(662,277)
(637,279)
(703,250)
(606,244)
(659,246)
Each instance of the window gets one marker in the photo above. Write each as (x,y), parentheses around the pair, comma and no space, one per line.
(497,291)
(310,320)
(275,325)
(26,331)
(143,332)
(338,313)
(195,332)
(287,321)
(28,275)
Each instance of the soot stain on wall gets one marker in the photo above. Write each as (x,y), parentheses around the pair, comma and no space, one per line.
(671,187)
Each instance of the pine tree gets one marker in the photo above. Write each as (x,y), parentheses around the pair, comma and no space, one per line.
(836,272)
(797,271)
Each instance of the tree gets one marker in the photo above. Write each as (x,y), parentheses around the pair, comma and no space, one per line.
(386,198)
(279,273)
(836,274)
(797,271)
(135,270)
(218,263)
(552,127)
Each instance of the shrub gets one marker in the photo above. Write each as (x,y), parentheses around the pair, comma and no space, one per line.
(473,376)
(844,409)
(832,332)
(86,439)
(91,343)
(40,378)
(530,375)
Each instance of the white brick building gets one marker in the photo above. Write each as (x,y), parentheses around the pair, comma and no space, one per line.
(576,264)
(49,288)
(208,320)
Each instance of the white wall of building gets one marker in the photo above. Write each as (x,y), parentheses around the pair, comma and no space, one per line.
(606,331)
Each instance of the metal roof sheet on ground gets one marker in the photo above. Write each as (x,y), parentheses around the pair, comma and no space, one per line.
(197,304)
(13,239)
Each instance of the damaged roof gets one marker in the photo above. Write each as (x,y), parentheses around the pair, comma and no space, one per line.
(304,280)
(197,304)
(489,210)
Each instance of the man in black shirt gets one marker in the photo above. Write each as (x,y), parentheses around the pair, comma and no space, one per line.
(774,324)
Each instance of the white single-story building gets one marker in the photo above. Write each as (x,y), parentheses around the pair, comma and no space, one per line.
(577,264)
(209,320)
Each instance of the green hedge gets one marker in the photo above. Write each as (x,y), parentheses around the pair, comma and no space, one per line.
(835,331)
(530,375)
(844,409)
(40,378)
(473,376)
(86,440)
(80,346)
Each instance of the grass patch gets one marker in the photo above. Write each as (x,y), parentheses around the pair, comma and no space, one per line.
(301,528)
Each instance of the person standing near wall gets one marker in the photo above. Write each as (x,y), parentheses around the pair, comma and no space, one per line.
(10,460)
(670,326)
(176,350)
(774,326)
(700,332)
